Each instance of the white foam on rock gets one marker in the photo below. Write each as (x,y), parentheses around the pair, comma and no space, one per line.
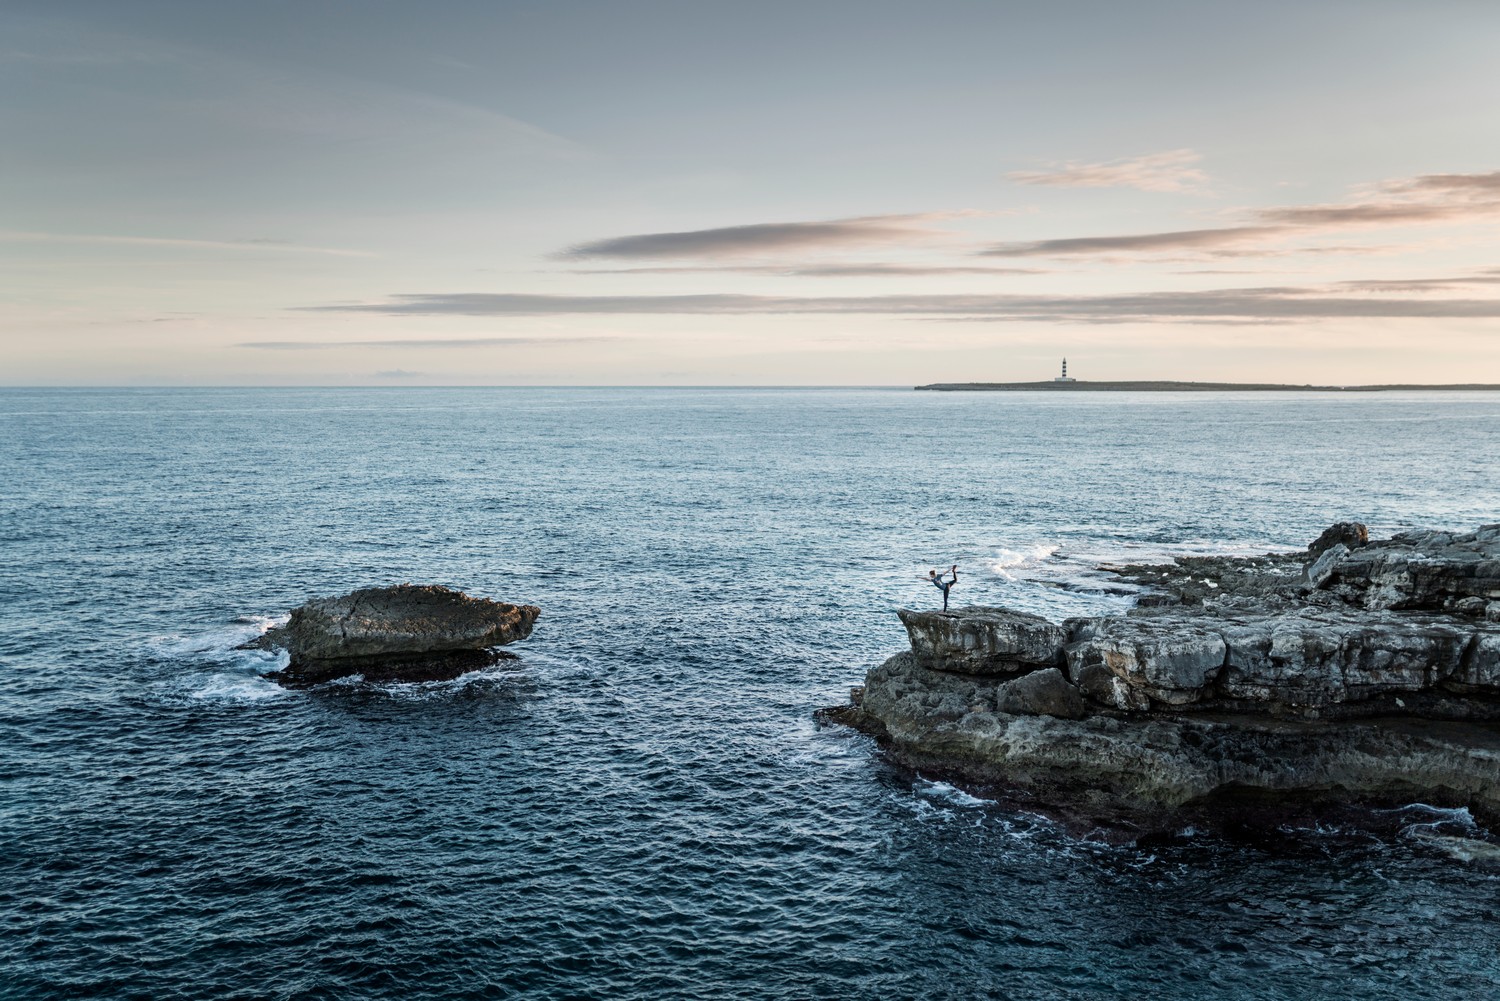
(948,793)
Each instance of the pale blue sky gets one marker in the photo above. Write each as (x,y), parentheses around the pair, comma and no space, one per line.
(870,193)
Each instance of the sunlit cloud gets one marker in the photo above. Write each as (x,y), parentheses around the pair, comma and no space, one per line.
(1170,171)
(1424,200)
(1485,185)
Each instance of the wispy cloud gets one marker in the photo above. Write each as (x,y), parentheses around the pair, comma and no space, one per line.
(1273,303)
(1485,185)
(1172,170)
(251,245)
(1420,284)
(414,342)
(1428,198)
(764,238)
(1425,200)
(818,270)
(1177,240)
(218,95)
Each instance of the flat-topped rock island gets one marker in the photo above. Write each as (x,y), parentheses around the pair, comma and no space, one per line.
(1358,672)
(407,632)
(1167,386)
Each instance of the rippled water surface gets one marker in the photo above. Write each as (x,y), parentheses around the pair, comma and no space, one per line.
(642,806)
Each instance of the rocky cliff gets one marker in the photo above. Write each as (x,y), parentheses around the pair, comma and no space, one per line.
(1357,672)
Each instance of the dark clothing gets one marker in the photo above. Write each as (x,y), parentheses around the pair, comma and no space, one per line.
(944,585)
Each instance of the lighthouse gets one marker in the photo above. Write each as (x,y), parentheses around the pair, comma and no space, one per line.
(1064,377)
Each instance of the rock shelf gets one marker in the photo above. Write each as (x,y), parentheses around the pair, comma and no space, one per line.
(1358,672)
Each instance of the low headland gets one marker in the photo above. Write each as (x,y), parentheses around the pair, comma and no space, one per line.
(1240,690)
(1163,386)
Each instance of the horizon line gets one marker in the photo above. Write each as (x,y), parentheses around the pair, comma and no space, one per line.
(1040,385)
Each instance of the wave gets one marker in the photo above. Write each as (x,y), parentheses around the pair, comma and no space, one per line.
(1007,560)
(470,682)
(946,793)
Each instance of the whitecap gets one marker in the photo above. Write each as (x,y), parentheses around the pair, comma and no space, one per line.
(1462,849)
(238,688)
(219,642)
(1006,560)
(948,793)
(1442,814)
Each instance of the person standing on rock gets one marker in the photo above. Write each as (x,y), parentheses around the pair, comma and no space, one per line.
(936,579)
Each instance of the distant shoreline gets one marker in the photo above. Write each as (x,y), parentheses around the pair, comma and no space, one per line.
(1186,387)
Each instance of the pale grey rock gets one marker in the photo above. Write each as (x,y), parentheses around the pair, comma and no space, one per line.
(1321,570)
(1322,657)
(1088,673)
(1425,570)
(1166,659)
(1479,669)
(983,640)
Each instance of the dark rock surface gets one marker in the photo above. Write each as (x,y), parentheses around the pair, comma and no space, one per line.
(1358,672)
(1456,573)
(1349,534)
(406,632)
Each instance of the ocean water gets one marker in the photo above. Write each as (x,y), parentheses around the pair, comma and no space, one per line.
(643,805)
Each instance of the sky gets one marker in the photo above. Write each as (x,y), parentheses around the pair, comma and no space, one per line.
(707,193)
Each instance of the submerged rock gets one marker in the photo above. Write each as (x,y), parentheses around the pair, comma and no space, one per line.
(1245,690)
(407,632)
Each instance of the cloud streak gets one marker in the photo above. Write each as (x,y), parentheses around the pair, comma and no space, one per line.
(1170,171)
(25,236)
(1419,284)
(761,238)
(415,342)
(1177,240)
(818,270)
(1274,303)
(1424,200)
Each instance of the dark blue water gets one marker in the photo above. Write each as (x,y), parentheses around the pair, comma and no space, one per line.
(643,805)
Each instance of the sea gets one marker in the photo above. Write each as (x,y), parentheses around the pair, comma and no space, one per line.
(644,805)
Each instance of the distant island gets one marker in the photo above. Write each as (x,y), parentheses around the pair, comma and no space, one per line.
(1158,386)
(1065,383)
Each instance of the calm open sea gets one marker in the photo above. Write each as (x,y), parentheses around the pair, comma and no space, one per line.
(643,806)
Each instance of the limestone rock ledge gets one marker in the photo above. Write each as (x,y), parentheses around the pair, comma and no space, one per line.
(407,632)
(1263,695)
